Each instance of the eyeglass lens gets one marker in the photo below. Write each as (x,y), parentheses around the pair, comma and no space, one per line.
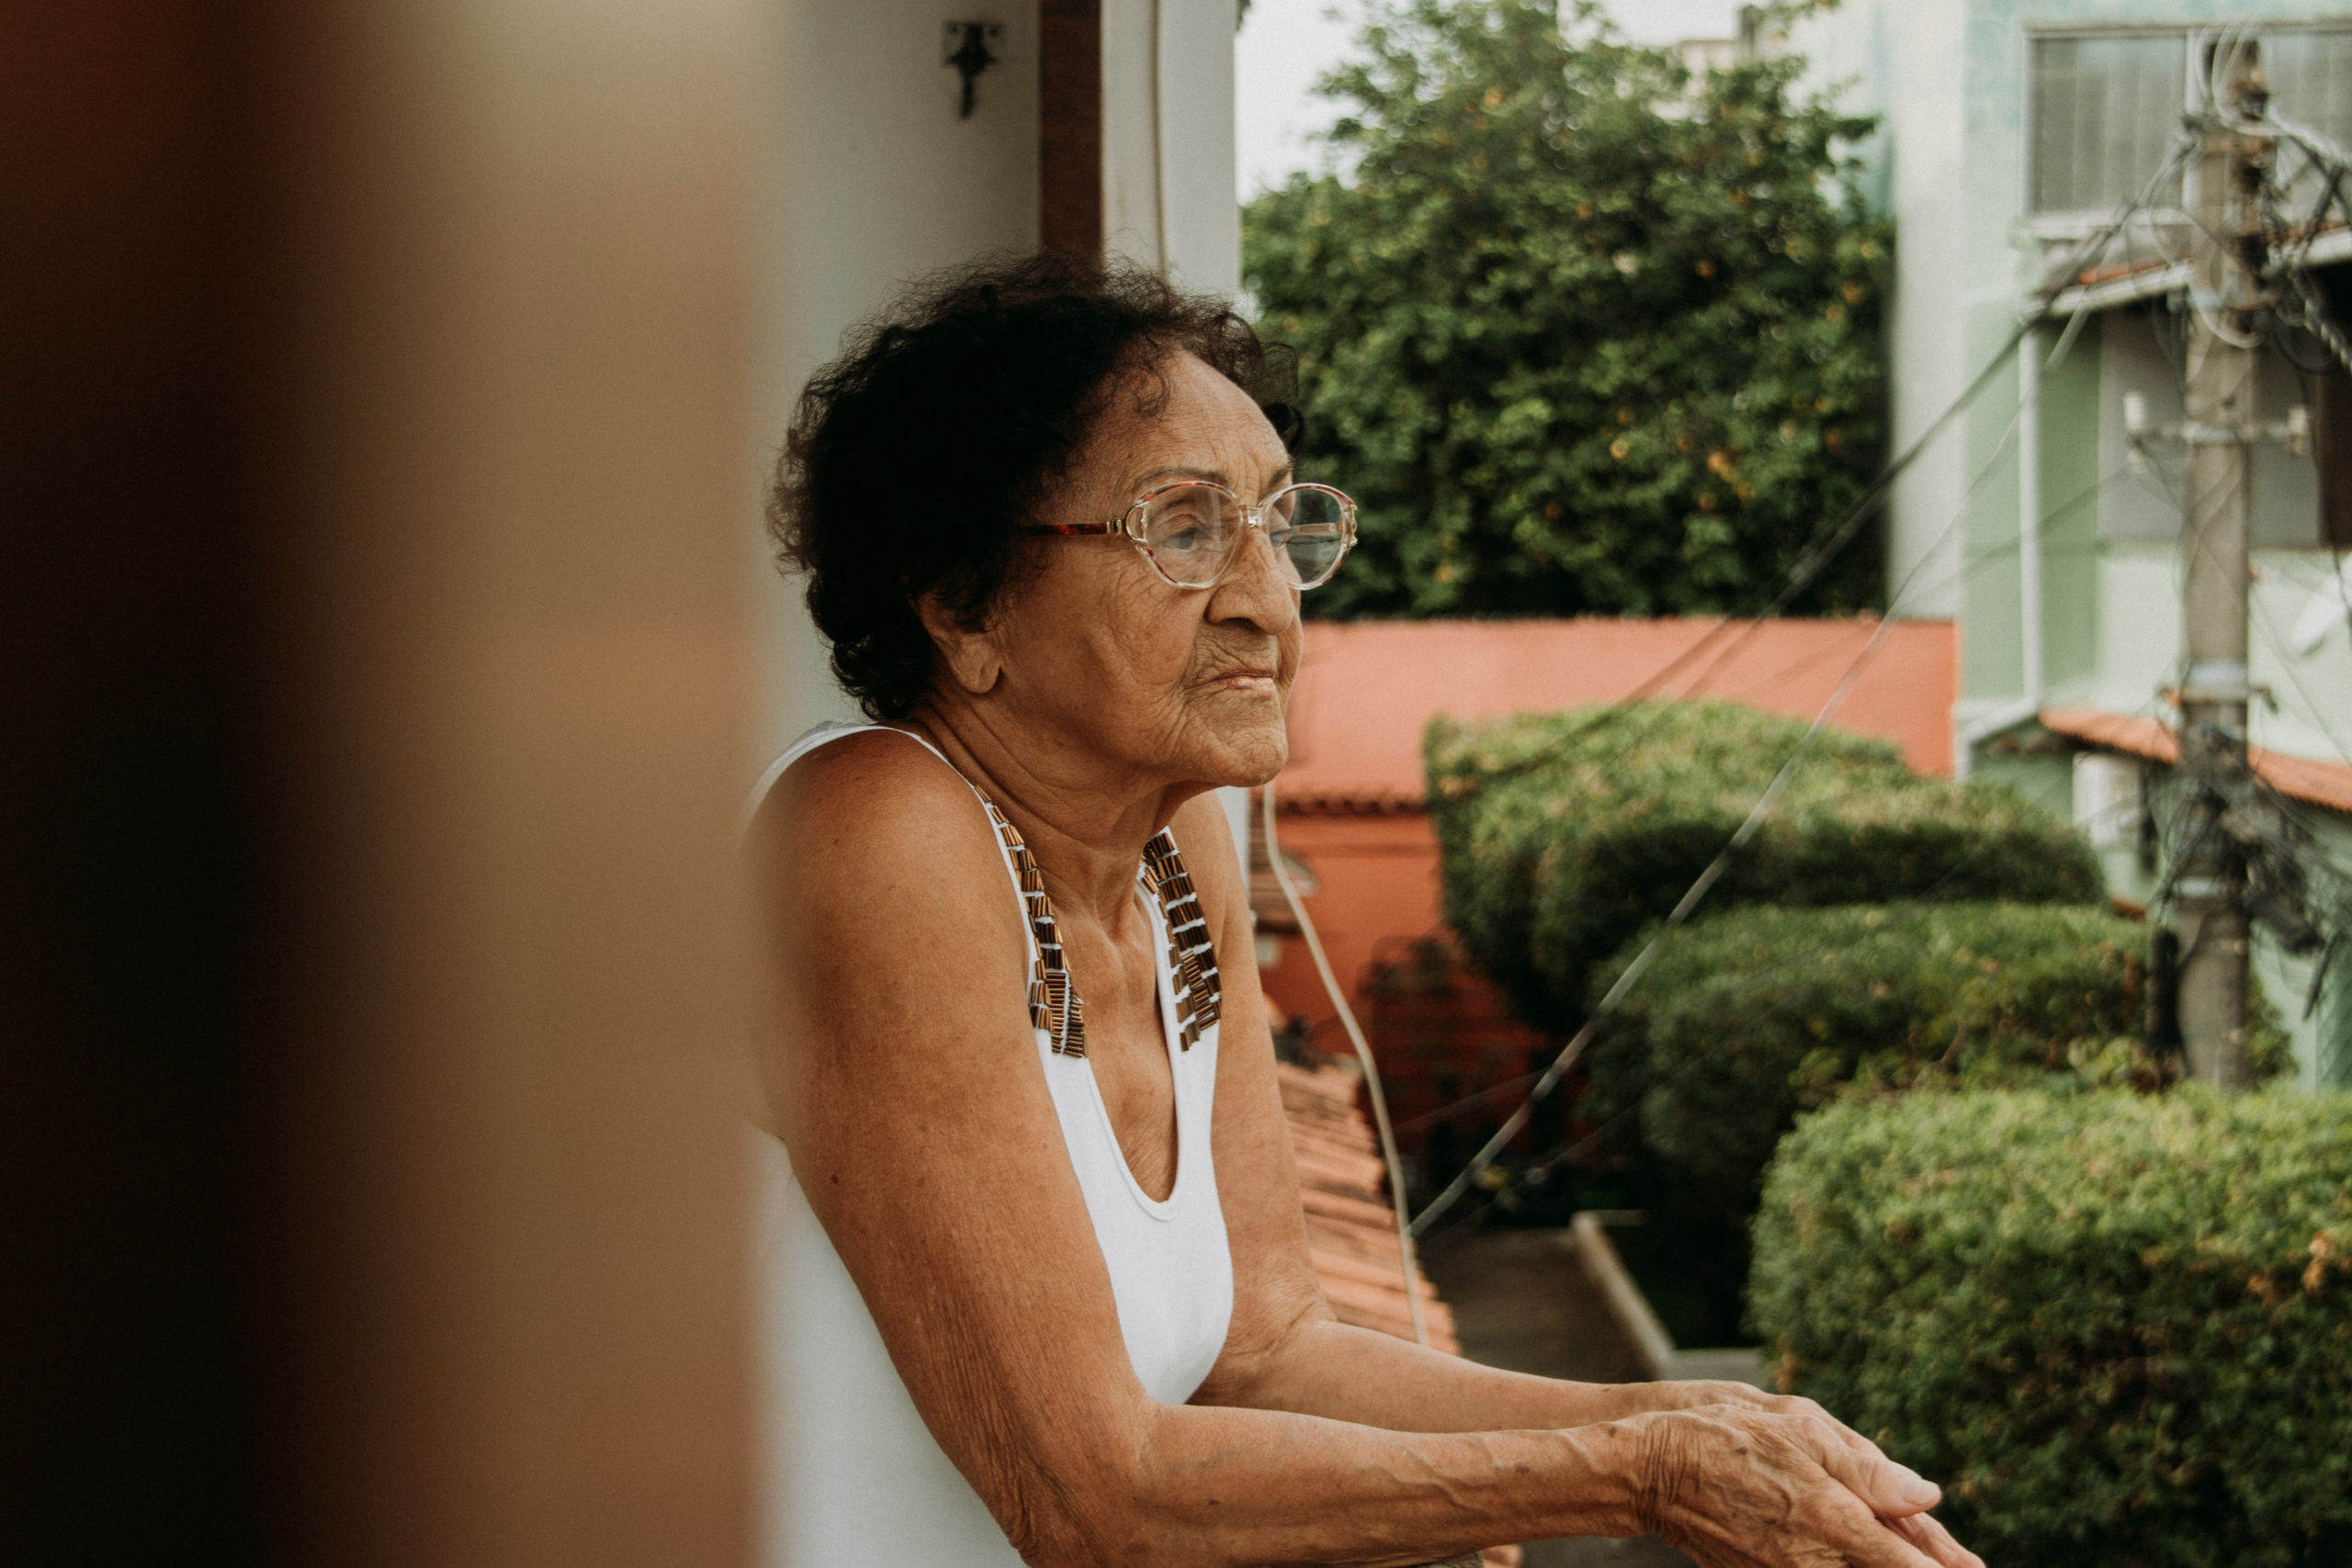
(1193,530)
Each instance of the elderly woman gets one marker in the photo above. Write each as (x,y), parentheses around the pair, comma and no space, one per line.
(1043,1288)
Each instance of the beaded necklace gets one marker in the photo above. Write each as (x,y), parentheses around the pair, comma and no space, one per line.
(1055,1005)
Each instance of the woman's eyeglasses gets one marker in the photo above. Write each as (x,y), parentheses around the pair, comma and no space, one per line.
(1193,531)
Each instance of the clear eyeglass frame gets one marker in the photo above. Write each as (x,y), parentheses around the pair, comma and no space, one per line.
(1135,524)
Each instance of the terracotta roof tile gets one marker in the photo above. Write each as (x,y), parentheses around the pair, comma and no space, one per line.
(2321,783)
(1351,1229)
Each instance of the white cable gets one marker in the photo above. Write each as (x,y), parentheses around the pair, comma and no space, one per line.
(1364,1055)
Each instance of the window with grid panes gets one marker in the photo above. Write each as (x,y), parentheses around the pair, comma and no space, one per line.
(2309,70)
(2104,109)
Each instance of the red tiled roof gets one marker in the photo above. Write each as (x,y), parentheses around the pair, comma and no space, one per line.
(1367,689)
(2134,266)
(2321,783)
(1351,1229)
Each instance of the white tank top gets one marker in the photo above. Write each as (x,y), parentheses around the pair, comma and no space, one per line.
(852,1473)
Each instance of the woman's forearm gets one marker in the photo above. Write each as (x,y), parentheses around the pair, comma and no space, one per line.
(1357,1374)
(1225,1486)
(1205,1487)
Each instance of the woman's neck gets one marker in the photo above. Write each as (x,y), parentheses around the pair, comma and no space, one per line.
(1086,823)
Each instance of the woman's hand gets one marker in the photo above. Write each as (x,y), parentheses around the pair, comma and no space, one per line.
(1698,1393)
(1765,1482)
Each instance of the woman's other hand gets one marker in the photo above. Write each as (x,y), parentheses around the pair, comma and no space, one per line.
(1768,1482)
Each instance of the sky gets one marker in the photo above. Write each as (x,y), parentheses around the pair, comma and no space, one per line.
(1285,45)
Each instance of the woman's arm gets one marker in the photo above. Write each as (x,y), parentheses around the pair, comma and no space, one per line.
(924,1138)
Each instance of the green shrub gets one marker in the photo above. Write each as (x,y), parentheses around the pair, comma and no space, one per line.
(1747,1016)
(1563,834)
(2118,1327)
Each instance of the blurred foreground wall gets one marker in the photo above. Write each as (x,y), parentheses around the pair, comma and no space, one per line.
(374,655)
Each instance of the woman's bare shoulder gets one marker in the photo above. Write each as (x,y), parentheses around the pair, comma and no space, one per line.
(879,818)
(868,787)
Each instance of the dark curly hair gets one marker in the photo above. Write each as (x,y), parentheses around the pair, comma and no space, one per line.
(912,460)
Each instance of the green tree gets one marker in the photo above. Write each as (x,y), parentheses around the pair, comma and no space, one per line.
(1580,332)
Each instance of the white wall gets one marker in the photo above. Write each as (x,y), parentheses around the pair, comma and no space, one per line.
(1902,59)
(876,182)
(1168,153)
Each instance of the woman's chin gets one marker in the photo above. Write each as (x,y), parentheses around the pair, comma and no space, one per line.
(1247,755)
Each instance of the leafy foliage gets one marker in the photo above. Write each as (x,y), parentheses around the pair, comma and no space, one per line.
(2118,1327)
(1562,835)
(1749,1016)
(1580,333)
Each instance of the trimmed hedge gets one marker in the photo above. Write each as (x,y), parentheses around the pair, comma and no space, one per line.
(2118,1327)
(1563,834)
(1746,1017)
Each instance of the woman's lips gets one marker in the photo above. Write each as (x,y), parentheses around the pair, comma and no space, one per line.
(1243,681)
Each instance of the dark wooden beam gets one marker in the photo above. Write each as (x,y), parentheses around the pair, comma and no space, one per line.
(1069,142)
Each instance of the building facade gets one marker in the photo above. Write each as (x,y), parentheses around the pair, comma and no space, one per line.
(2014,132)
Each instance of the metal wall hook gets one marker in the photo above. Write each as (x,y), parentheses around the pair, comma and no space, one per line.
(970,48)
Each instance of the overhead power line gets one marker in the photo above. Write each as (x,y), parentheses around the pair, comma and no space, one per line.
(1987,559)
(1801,574)
(1549,1079)
(1825,551)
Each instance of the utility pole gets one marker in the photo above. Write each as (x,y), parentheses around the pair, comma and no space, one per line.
(2227,297)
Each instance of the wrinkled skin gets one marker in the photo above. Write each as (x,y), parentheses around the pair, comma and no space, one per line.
(1097,704)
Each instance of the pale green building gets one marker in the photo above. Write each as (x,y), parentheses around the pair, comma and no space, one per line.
(2013,129)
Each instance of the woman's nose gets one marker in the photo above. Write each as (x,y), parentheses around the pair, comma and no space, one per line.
(1254,589)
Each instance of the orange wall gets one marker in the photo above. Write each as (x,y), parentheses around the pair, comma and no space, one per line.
(1368,690)
(1378,892)
(1378,880)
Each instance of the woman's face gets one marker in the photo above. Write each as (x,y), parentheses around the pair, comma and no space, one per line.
(1180,685)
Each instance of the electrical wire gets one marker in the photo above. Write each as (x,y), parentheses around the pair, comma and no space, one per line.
(1981,562)
(1822,553)
(1631,975)
(2330,161)
(1544,1164)
(2318,322)
(2259,623)
(2320,719)
(1541,1168)
(2327,906)
(1817,559)
(1452,1109)
(1808,567)
(1364,1055)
